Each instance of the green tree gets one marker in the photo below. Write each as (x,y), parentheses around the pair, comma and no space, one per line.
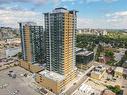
(115,89)
(19,55)
(109,54)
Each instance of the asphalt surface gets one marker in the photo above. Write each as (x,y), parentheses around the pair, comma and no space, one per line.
(17,86)
(78,84)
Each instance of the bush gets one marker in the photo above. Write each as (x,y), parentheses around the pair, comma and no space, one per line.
(115,89)
(20,55)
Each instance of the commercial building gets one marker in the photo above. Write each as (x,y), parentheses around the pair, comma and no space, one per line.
(125,73)
(51,81)
(34,68)
(119,72)
(98,72)
(108,92)
(60,28)
(10,52)
(7,33)
(32,42)
(85,89)
(13,41)
(98,32)
(83,57)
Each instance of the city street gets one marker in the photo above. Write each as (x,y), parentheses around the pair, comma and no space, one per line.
(78,83)
(125,87)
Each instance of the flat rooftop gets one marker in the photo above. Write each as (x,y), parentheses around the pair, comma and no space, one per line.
(98,70)
(89,87)
(85,89)
(119,69)
(78,49)
(52,75)
(84,53)
(125,71)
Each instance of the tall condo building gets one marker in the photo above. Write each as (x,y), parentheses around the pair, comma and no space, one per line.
(32,42)
(60,28)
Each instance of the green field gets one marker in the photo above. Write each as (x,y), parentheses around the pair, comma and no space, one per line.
(117,35)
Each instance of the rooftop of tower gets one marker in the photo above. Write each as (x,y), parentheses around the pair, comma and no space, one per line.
(60,9)
(28,23)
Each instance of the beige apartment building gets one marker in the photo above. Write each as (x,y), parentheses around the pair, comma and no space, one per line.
(60,28)
(59,44)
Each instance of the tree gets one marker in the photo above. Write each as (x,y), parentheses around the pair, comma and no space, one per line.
(126,52)
(115,89)
(109,54)
(110,62)
(19,55)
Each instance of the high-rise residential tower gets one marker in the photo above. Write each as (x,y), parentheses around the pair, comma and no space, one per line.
(60,28)
(32,42)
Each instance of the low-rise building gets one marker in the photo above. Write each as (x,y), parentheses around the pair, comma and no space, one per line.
(89,88)
(83,57)
(51,80)
(13,41)
(34,68)
(88,31)
(119,72)
(125,73)
(7,32)
(12,52)
(98,72)
(108,92)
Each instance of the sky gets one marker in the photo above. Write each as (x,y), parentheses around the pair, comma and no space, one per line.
(104,14)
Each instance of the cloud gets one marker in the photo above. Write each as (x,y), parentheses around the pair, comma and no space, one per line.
(9,17)
(92,23)
(12,17)
(119,19)
(117,16)
(111,21)
(107,1)
(68,0)
(115,20)
(110,1)
(89,1)
(36,2)
(84,23)
(41,2)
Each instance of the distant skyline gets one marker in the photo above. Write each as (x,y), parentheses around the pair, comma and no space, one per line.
(104,14)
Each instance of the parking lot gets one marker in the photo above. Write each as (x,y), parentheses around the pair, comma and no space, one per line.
(20,85)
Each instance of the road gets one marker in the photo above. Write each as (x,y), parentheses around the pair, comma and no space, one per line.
(78,83)
(125,85)
(95,51)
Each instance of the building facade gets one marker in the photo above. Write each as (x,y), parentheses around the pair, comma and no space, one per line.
(10,52)
(60,28)
(83,58)
(98,72)
(98,32)
(32,42)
